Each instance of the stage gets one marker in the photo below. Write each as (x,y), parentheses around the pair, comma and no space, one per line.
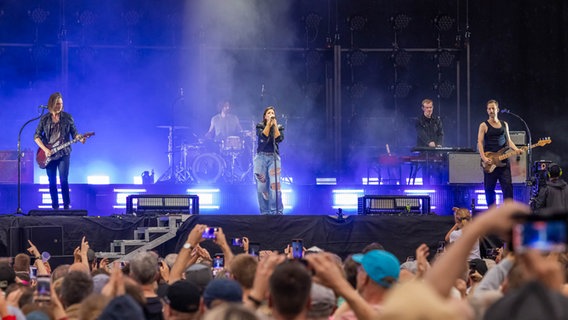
(99,213)
(60,235)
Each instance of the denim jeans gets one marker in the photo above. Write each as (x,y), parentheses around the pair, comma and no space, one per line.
(264,175)
(61,164)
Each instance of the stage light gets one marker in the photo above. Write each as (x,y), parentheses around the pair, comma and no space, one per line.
(357,22)
(444,58)
(388,204)
(357,90)
(98,180)
(312,20)
(86,18)
(326,181)
(401,89)
(357,57)
(443,22)
(208,198)
(400,21)
(401,58)
(346,199)
(38,15)
(444,89)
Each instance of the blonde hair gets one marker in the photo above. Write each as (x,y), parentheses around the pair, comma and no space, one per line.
(462,213)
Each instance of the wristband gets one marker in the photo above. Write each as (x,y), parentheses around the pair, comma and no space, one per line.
(256,302)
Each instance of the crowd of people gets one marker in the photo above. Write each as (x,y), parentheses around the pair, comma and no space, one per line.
(455,283)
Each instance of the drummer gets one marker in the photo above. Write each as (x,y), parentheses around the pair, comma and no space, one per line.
(224,124)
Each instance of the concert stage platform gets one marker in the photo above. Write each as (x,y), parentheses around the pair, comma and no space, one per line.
(60,235)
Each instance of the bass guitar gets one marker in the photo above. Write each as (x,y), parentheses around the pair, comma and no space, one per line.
(43,160)
(498,157)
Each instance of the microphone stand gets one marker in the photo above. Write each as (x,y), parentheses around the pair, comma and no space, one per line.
(275,155)
(529,149)
(19,210)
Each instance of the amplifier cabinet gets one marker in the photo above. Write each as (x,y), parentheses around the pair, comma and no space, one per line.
(464,167)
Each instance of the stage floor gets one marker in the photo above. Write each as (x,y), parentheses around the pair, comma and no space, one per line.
(106,200)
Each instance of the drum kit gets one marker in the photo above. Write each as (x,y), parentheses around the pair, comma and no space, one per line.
(207,161)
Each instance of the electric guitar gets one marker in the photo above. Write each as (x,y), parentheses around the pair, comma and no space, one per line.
(43,160)
(499,156)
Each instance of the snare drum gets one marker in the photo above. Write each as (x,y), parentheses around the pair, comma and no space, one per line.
(232,143)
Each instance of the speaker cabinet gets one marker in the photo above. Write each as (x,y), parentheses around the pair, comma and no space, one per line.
(46,238)
(466,168)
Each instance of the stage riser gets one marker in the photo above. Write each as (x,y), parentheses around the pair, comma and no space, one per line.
(101,200)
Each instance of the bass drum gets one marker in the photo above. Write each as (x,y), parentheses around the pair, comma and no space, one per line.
(208,168)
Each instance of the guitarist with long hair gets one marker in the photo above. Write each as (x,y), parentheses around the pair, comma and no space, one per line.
(56,128)
(493,137)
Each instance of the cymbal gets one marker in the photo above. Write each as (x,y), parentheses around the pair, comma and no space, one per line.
(174,127)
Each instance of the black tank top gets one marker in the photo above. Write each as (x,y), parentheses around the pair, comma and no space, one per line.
(494,139)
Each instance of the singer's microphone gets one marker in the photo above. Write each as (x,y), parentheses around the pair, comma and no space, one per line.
(273,117)
(505,111)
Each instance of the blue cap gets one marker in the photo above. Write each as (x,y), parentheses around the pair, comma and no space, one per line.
(224,290)
(379,264)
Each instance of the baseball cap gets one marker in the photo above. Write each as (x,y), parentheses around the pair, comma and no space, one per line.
(379,264)
(199,274)
(224,290)
(183,296)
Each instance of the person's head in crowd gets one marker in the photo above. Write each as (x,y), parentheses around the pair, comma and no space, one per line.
(76,286)
(170,259)
(462,216)
(92,306)
(478,265)
(243,269)
(99,281)
(144,267)
(7,276)
(22,267)
(80,267)
(350,269)
(27,293)
(199,274)
(182,301)
(220,291)
(378,271)
(373,246)
(231,311)
(554,171)
(22,263)
(322,302)
(289,290)
(123,307)
(59,272)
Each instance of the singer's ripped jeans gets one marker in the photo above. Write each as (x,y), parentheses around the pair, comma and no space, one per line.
(264,175)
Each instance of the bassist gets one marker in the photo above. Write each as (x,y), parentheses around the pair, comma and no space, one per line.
(493,136)
(55,128)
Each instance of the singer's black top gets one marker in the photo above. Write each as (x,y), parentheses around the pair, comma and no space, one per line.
(54,134)
(266,144)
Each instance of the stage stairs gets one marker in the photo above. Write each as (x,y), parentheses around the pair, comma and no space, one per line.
(145,238)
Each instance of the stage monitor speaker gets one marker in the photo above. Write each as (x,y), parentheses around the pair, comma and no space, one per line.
(465,167)
(60,213)
(152,204)
(46,238)
(372,204)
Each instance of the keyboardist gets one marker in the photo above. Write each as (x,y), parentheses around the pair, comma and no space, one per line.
(429,129)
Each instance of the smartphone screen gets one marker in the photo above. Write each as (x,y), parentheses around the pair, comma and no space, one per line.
(209,233)
(542,234)
(297,249)
(33,273)
(237,242)
(218,261)
(254,248)
(43,288)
